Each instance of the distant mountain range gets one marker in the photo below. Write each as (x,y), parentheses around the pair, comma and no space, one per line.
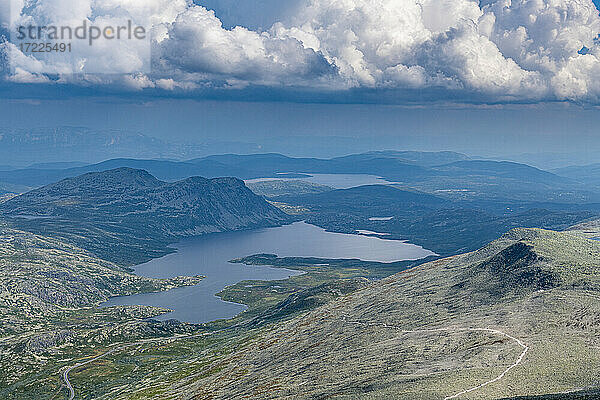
(552,161)
(112,213)
(450,175)
(589,174)
(48,145)
(22,147)
(421,158)
(76,145)
(502,169)
(240,166)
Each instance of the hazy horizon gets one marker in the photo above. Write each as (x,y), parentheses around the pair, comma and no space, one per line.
(288,77)
(564,131)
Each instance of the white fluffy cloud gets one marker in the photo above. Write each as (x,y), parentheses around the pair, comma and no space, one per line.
(197,42)
(507,49)
(503,50)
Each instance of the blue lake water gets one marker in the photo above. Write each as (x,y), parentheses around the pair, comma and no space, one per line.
(336,181)
(209,255)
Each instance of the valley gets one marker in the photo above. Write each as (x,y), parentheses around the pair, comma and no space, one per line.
(299,200)
(480,325)
(124,286)
(210,256)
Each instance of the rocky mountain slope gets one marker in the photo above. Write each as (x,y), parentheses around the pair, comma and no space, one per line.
(41,279)
(518,317)
(126,215)
(49,293)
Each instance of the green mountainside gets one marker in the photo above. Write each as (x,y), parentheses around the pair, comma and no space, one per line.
(516,317)
(49,292)
(42,277)
(435,331)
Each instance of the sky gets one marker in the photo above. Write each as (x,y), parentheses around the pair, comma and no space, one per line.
(483,77)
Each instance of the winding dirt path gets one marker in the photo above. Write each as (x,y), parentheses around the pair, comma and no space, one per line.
(494,331)
(67,370)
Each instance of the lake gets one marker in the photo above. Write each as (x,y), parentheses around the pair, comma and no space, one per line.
(209,255)
(336,181)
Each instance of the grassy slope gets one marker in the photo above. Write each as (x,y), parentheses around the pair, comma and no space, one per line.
(48,294)
(589,229)
(148,371)
(41,278)
(539,286)
(322,281)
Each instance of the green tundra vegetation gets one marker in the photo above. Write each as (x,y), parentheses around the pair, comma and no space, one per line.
(426,332)
(49,295)
(413,335)
(515,317)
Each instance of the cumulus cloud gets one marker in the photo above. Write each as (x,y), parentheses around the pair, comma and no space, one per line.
(507,49)
(197,42)
(498,50)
